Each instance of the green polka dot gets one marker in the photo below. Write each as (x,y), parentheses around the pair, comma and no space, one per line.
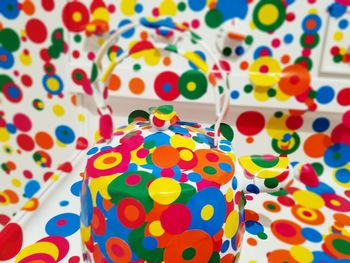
(304,38)
(209,170)
(249,40)
(271,207)
(248,88)
(77,38)
(193,84)
(278,114)
(188,253)
(227,51)
(181,6)
(149,159)
(9,39)
(337,58)
(304,61)
(213,18)
(271,183)
(149,144)
(137,67)
(281,9)
(271,93)
(342,246)
(262,235)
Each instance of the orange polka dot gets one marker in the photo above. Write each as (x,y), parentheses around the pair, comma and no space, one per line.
(317,144)
(44,140)
(12,196)
(342,219)
(28,7)
(137,86)
(114,82)
(144,35)
(250,139)
(251,241)
(11,165)
(244,65)
(74,100)
(165,156)
(285,59)
(131,212)
(167,61)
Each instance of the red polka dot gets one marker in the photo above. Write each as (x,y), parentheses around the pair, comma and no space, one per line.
(48,5)
(27,80)
(11,239)
(176,219)
(343,97)
(74,259)
(25,142)
(22,122)
(294,122)
(36,31)
(250,123)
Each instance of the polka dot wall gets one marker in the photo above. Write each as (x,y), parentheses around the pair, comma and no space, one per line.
(286,61)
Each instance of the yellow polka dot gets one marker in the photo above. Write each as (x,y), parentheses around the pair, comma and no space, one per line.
(301,254)
(4,135)
(108,161)
(191,86)
(168,8)
(231,224)
(156,229)
(85,233)
(53,84)
(164,190)
(308,199)
(16,182)
(229,195)
(26,60)
(313,11)
(338,36)
(101,13)
(335,202)
(179,141)
(265,72)
(186,155)
(58,110)
(81,117)
(77,16)
(268,14)
(207,212)
(252,261)
(128,7)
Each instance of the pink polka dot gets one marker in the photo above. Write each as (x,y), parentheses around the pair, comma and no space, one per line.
(22,122)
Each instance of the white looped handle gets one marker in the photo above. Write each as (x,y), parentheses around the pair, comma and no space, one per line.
(221,100)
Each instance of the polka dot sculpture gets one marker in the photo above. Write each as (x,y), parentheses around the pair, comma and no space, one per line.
(160,191)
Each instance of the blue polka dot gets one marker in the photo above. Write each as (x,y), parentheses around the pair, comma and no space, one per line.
(149,243)
(31,188)
(9,8)
(65,134)
(234,183)
(64,203)
(226,167)
(92,151)
(194,177)
(63,225)
(138,8)
(167,87)
(225,246)
(104,148)
(130,32)
(11,128)
(343,175)
(235,94)
(8,59)
(239,50)
(252,188)
(343,24)
(53,89)
(325,94)
(288,38)
(321,257)
(196,5)
(311,234)
(76,188)
(178,129)
(320,124)
(254,227)
(337,155)
(336,10)
(316,19)
(225,148)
